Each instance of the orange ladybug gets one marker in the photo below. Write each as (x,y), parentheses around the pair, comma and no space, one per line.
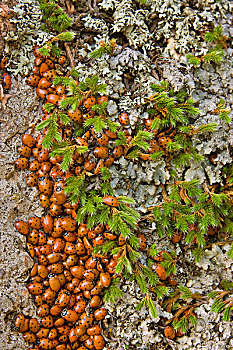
(123,119)
(110,200)
(169,332)
(6,81)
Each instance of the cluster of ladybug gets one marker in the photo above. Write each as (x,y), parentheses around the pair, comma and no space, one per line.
(6,79)
(68,279)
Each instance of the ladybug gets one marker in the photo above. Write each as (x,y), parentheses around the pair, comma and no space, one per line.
(81,142)
(103,140)
(75,116)
(142,242)
(36,70)
(80,306)
(34,165)
(43,68)
(22,227)
(43,310)
(161,272)
(35,152)
(55,209)
(162,141)
(38,300)
(101,152)
(68,224)
(3,62)
(169,332)
(30,249)
(34,270)
(64,330)
(44,83)
(49,63)
(111,201)
(50,74)
(45,186)
(69,237)
(109,161)
(54,282)
(29,337)
(64,298)
(45,166)
(21,163)
(47,321)
(144,156)
(42,271)
(123,119)
(70,315)
(33,80)
(34,222)
(99,342)
(58,230)
(95,302)
(102,99)
(87,135)
(24,151)
(90,263)
(52,334)
(111,266)
(33,237)
(70,248)
(87,104)
(94,330)
(45,249)
(105,279)
(45,344)
(55,310)
(47,223)
(171,279)
(54,99)
(85,320)
(177,236)
(99,228)
(77,271)
(110,236)
(61,60)
(19,321)
(89,165)
(111,134)
(42,238)
(42,93)
(212,231)
(56,268)
(25,325)
(42,157)
(86,285)
(121,240)
(100,314)
(118,151)
(80,248)
(35,288)
(36,51)
(34,325)
(6,81)
(53,258)
(60,90)
(38,61)
(58,245)
(72,336)
(82,230)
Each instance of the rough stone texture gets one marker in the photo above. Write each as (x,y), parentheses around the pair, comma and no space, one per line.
(172,28)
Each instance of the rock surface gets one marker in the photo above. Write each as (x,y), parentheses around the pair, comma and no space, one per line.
(172,28)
